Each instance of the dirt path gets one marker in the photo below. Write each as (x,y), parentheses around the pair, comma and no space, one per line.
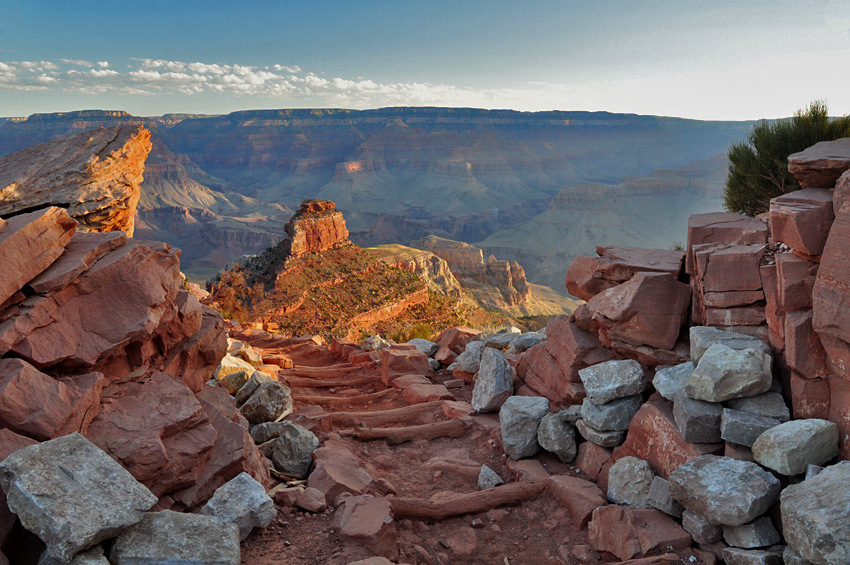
(535,531)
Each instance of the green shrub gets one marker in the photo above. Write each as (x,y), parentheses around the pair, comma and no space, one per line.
(758,167)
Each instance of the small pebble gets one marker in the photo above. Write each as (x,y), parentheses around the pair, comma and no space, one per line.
(444,543)
(478,523)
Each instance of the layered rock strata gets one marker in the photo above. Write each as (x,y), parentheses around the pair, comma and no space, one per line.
(468,264)
(95,175)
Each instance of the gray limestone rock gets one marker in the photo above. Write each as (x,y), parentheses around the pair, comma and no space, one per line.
(611,380)
(93,556)
(816,516)
(520,417)
(744,428)
(174,538)
(271,400)
(571,414)
(244,393)
(723,490)
(604,439)
(813,471)
(791,557)
(629,482)
(59,490)
(557,436)
(494,384)
(293,451)
(487,478)
(524,341)
(426,346)
(724,373)
(767,556)
(703,531)
(243,501)
(698,421)
(769,404)
(671,379)
(434,364)
(661,498)
(267,431)
(791,447)
(703,337)
(500,340)
(758,533)
(612,416)
(470,360)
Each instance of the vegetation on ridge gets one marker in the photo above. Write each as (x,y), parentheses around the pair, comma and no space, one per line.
(758,167)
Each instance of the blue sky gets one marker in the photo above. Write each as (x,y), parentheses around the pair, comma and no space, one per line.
(703,59)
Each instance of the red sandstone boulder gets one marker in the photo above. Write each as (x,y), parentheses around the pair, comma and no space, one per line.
(733,268)
(83,250)
(395,363)
(195,359)
(579,496)
(572,347)
(820,165)
(654,437)
(795,279)
(803,350)
(337,471)
(647,310)
(831,297)
(29,243)
(589,276)
(368,521)
(421,393)
(156,428)
(591,458)
(456,339)
(810,398)
(634,532)
(36,405)
(136,284)
(233,452)
(839,411)
(801,219)
(722,227)
(540,372)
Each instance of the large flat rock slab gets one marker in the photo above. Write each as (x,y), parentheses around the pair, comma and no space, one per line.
(174,538)
(95,175)
(820,165)
(29,244)
(72,494)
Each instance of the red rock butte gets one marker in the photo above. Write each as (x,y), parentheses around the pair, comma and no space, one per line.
(316,226)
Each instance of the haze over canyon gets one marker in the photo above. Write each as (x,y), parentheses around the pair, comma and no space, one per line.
(539,188)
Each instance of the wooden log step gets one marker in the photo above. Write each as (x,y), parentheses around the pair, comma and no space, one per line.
(384,418)
(446,507)
(394,436)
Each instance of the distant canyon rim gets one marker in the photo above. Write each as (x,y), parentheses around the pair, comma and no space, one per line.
(538,188)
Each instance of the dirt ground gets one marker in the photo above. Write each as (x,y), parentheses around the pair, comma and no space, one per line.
(536,531)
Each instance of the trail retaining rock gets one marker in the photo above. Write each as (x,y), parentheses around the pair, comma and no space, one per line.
(520,417)
(242,501)
(723,490)
(790,447)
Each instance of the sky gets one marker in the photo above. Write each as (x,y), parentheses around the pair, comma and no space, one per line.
(708,59)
